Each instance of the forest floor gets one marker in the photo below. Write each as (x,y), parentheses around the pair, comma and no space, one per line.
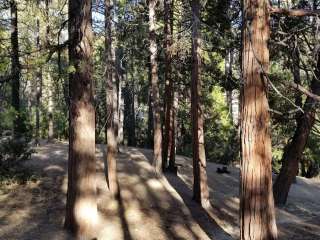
(148,208)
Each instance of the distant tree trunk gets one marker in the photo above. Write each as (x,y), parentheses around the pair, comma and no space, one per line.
(257,214)
(111,103)
(294,151)
(169,119)
(15,68)
(150,114)
(120,110)
(81,208)
(172,156)
(157,135)
(200,187)
(129,114)
(50,107)
(38,81)
(50,94)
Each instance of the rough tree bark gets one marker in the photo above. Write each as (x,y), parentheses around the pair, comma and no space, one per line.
(157,135)
(15,67)
(168,106)
(257,214)
(81,209)
(200,187)
(293,152)
(111,101)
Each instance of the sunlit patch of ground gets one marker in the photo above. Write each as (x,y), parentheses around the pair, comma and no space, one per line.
(149,208)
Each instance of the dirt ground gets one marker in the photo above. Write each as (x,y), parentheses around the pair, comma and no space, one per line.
(149,208)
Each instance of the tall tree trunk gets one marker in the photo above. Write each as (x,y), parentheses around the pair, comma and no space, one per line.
(49,78)
(257,214)
(81,209)
(157,135)
(38,80)
(200,187)
(294,151)
(15,68)
(111,101)
(169,123)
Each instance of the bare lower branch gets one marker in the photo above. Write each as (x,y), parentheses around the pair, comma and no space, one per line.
(293,12)
(304,91)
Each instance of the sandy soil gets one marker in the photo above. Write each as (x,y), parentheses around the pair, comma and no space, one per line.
(149,208)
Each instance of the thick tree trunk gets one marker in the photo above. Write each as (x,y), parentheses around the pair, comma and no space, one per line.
(15,68)
(257,214)
(81,210)
(200,187)
(157,135)
(294,151)
(168,106)
(111,102)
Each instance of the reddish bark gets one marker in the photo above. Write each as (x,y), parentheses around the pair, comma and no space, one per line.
(200,187)
(81,209)
(257,214)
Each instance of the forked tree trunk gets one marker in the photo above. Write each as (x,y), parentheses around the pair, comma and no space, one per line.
(200,187)
(15,68)
(294,151)
(81,210)
(257,214)
(169,124)
(111,103)
(157,135)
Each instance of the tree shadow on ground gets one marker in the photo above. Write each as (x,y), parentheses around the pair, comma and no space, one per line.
(36,210)
(198,214)
(201,215)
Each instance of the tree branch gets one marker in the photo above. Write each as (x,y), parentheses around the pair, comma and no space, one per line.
(304,91)
(293,12)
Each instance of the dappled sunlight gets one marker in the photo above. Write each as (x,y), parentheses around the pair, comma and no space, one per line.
(148,206)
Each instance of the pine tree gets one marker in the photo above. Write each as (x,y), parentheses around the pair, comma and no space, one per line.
(81,209)
(257,214)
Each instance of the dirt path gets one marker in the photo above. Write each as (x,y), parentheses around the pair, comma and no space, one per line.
(149,208)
